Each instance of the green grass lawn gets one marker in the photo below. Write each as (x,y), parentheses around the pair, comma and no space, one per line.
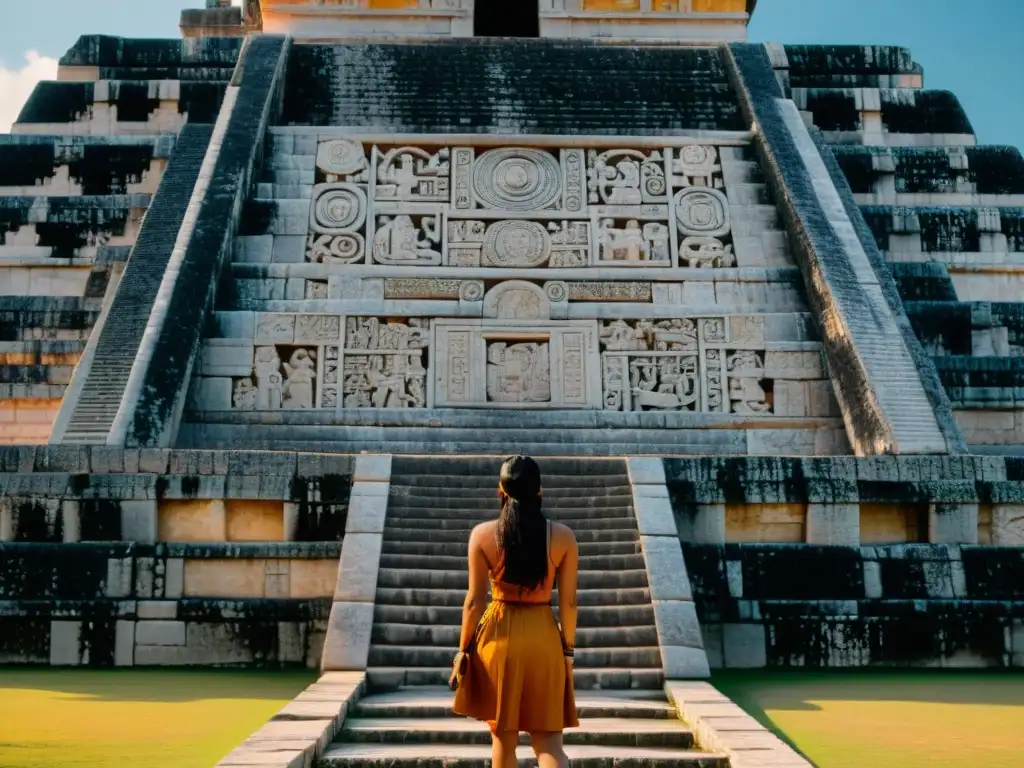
(56,718)
(889,719)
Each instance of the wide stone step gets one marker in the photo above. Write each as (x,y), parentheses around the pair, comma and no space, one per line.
(436,701)
(549,482)
(451,597)
(448,635)
(405,533)
(489,493)
(605,678)
(475,465)
(398,514)
(435,656)
(458,549)
(611,732)
(587,563)
(623,522)
(584,500)
(451,615)
(479,756)
(419,578)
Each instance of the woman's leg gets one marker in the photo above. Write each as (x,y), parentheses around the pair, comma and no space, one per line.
(503,748)
(549,750)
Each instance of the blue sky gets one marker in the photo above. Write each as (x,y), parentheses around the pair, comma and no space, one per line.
(971,47)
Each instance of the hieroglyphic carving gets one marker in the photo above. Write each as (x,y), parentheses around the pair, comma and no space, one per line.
(623,177)
(609,291)
(614,206)
(518,373)
(696,165)
(341,158)
(706,252)
(399,241)
(681,364)
(517,300)
(420,288)
(574,389)
(384,363)
(634,243)
(317,328)
(702,211)
(414,175)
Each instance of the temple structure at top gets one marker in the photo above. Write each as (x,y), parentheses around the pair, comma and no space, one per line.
(403,226)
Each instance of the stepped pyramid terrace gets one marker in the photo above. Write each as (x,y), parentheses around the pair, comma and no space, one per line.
(279,295)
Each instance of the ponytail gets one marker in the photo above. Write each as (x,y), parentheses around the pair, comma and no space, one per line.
(522,527)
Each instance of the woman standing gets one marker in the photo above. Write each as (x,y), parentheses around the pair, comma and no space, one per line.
(517,662)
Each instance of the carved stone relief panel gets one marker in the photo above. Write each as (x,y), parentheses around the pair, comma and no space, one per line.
(294,366)
(385,363)
(685,364)
(514,365)
(519,207)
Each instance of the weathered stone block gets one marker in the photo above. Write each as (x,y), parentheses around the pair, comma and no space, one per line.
(254,520)
(192,520)
(953,523)
(372,468)
(157,609)
(65,643)
(119,578)
(744,646)
(684,662)
(833,524)
(313,578)
(160,632)
(174,578)
(1007,525)
(124,644)
(139,521)
(701,523)
(645,471)
(347,646)
(677,623)
(357,572)
(225,578)
(654,516)
(666,570)
(366,514)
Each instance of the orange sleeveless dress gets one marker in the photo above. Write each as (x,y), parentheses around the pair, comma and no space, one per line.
(517,678)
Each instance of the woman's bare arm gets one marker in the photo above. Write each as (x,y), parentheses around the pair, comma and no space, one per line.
(476,598)
(568,575)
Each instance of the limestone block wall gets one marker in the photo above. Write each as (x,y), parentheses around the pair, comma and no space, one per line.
(945,213)
(77,175)
(111,557)
(801,605)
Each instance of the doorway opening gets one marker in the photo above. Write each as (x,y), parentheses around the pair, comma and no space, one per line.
(506,18)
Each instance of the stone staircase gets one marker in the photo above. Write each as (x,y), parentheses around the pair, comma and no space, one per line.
(88,416)
(406,719)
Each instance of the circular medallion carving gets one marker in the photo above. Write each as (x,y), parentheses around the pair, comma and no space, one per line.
(556,291)
(697,155)
(516,244)
(702,211)
(341,157)
(471,290)
(517,179)
(338,208)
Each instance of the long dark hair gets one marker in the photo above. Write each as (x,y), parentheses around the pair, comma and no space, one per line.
(522,527)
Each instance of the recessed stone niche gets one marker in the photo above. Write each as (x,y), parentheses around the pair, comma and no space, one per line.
(893,523)
(769,523)
(209,520)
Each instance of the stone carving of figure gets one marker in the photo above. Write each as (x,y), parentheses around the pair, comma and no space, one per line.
(675,335)
(622,244)
(267,372)
(413,174)
(388,385)
(665,383)
(619,336)
(301,371)
(747,396)
(518,373)
(706,252)
(244,395)
(656,241)
(621,183)
(398,241)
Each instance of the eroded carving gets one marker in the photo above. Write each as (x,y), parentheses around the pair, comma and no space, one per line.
(518,373)
(516,244)
(385,363)
(341,157)
(399,241)
(517,300)
(633,242)
(337,208)
(702,211)
(626,177)
(706,253)
(411,174)
(696,165)
(335,249)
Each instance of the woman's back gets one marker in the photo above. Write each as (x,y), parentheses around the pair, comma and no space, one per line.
(558,539)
